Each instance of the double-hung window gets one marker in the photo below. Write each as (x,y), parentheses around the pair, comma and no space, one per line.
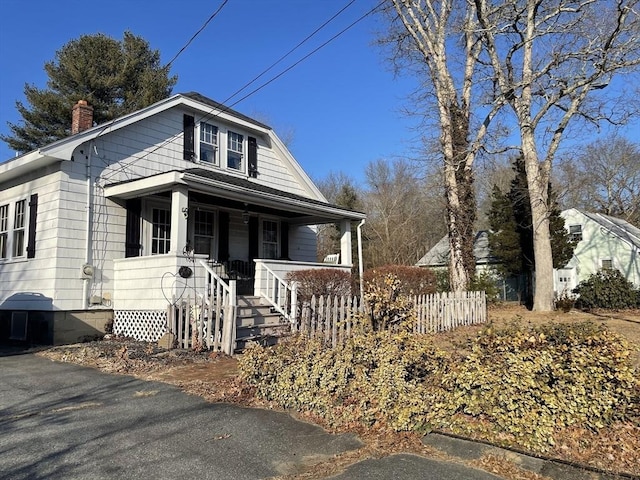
(269,239)
(160,231)
(4,230)
(19,216)
(203,224)
(234,150)
(208,143)
(575,232)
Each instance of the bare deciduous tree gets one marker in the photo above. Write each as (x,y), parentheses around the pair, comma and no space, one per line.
(438,40)
(403,219)
(552,61)
(604,176)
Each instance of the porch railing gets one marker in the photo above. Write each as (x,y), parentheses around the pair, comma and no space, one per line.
(281,295)
(220,306)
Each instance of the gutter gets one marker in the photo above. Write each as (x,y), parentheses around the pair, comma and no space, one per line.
(88,231)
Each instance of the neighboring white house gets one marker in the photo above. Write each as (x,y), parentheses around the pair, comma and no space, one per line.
(97,224)
(603,242)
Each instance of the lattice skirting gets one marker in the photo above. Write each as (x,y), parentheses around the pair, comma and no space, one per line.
(143,325)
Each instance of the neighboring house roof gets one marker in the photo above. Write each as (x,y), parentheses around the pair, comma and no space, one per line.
(438,256)
(618,227)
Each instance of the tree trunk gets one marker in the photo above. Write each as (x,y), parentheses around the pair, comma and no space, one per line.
(538,181)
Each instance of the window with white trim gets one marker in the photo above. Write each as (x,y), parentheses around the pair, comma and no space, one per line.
(234,150)
(208,143)
(19,215)
(269,239)
(160,231)
(203,232)
(4,230)
(575,232)
(606,264)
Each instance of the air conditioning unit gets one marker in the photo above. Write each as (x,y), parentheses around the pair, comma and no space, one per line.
(87,271)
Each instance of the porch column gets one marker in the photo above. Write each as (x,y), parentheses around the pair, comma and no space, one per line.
(179,205)
(345,242)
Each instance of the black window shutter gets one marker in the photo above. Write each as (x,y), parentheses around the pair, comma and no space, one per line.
(189,137)
(284,240)
(253,238)
(223,237)
(132,233)
(252,155)
(33,211)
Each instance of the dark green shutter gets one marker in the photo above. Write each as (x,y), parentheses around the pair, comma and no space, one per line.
(254,235)
(33,212)
(189,137)
(252,156)
(132,232)
(223,237)
(284,240)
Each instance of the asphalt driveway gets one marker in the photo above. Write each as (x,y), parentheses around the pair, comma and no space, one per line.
(61,421)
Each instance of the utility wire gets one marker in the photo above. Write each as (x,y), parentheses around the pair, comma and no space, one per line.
(307,38)
(210,114)
(213,15)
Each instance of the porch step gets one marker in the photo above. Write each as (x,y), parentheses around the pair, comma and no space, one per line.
(257,322)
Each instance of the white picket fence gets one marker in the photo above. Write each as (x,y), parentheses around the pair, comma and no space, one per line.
(332,318)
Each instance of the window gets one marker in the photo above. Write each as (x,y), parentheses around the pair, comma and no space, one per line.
(160,231)
(234,150)
(208,143)
(269,239)
(4,230)
(607,264)
(575,231)
(203,232)
(18,229)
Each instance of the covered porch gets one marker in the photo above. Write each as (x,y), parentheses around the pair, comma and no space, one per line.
(244,231)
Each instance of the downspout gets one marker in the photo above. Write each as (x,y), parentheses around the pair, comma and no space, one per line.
(360,263)
(88,231)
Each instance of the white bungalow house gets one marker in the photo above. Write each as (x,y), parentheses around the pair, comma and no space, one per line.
(96,227)
(603,242)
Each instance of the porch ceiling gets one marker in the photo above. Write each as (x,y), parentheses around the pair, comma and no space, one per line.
(235,192)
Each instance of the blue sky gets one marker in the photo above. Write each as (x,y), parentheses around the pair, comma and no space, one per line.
(342,104)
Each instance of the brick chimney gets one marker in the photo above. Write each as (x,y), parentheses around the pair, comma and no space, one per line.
(81,117)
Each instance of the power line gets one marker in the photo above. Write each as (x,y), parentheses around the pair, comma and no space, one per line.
(210,114)
(307,38)
(213,15)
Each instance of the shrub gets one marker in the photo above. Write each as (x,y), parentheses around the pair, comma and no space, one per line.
(388,305)
(516,384)
(606,289)
(485,282)
(413,280)
(323,281)
(529,381)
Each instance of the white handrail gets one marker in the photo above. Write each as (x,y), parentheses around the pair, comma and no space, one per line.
(222,305)
(281,295)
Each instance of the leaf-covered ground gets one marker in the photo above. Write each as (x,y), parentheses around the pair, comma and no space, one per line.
(214,377)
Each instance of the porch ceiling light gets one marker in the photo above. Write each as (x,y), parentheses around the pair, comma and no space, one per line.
(245,215)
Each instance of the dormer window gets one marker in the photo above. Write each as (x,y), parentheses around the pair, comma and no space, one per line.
(234,150)
(208,143)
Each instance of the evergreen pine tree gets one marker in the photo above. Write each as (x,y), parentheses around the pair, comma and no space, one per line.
(114,77)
